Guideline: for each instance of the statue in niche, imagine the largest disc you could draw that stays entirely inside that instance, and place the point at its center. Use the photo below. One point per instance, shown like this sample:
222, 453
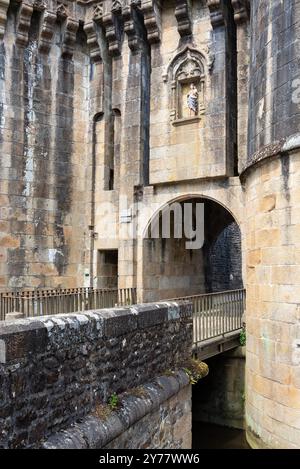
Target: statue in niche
187, 74
192, 100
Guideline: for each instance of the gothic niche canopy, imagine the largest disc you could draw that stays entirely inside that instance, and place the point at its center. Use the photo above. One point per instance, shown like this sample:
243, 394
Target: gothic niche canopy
186, 75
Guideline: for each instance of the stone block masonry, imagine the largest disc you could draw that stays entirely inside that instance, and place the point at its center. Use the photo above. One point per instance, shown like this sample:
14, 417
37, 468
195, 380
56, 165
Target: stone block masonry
56, 370
43, 135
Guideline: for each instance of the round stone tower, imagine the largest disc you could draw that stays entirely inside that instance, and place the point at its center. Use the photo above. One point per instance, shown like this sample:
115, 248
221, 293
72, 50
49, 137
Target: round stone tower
272, 187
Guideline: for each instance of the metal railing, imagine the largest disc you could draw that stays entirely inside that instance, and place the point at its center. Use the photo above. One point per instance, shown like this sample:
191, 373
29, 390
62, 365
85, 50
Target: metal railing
216, 314
56, 301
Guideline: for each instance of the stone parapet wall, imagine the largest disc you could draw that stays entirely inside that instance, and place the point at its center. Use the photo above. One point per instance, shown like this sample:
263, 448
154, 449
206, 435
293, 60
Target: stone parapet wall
56, 370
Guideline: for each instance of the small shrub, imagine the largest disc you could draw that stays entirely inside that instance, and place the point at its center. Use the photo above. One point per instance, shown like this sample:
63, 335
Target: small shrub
113, 401
243, 337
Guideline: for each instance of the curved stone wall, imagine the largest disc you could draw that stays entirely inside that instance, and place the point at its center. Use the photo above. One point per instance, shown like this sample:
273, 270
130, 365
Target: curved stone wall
272, 199
274, 73
273, 313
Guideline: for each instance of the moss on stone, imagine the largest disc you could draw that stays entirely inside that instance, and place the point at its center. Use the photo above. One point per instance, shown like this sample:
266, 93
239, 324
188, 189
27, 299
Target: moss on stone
196, 370
102, 411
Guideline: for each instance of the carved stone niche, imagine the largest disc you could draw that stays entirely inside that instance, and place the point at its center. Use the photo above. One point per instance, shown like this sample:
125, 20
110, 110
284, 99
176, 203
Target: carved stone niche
186, 69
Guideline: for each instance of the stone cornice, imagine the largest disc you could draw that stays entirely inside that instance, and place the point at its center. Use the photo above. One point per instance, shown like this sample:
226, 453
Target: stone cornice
273, 150
69, 37
152, 395
151, 10
3, 14
47, 31
216, 13
241, 10
23, 24
182, 14
92, 40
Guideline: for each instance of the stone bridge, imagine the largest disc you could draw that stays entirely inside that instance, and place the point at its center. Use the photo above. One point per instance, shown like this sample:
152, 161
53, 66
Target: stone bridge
60, 374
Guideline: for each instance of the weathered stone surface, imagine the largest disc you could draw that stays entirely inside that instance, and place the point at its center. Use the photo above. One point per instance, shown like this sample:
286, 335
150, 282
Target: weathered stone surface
93, 111
152, 420
274, 103
22, 338
80, 128
271, 195
272, 392
56, 369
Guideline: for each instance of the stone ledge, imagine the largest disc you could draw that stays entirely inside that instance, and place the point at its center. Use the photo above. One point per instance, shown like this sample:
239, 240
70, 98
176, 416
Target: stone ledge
292, 143
93, 433
272, 150
186, 121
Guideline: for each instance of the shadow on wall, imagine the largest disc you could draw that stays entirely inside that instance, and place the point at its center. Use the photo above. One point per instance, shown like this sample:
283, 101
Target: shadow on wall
219, 397
224, 261
171, 270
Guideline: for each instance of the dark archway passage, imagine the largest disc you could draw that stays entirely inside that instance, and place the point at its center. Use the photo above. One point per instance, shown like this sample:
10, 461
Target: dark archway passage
222, 249
172, 270
218, 403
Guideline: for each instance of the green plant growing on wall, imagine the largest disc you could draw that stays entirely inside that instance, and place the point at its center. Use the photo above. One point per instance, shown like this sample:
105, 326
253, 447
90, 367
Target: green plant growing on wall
243, 337
196, 370
128, 302
113, 401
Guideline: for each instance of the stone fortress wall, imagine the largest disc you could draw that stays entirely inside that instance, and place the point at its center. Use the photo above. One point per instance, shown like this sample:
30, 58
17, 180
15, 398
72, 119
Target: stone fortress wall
94, 127
94, 118
271, 181
44, 131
